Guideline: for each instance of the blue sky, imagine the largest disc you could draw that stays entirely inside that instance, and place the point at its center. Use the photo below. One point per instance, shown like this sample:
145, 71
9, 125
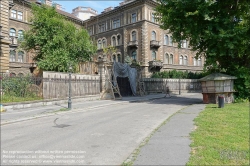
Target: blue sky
68, 5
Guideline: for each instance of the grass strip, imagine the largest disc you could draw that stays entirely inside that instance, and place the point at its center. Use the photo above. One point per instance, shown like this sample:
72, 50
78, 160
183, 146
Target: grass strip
221, 136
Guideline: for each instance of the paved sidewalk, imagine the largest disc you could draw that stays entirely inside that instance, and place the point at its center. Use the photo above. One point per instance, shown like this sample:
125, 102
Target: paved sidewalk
169, 145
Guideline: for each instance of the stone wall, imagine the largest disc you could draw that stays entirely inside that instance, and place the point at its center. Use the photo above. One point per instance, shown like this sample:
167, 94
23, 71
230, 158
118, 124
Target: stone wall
158, 85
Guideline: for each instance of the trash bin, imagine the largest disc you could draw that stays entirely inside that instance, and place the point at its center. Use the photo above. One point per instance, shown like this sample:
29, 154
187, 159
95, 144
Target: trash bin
221, 101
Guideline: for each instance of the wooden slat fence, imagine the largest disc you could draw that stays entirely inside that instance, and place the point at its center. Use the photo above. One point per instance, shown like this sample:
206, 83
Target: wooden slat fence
56, 85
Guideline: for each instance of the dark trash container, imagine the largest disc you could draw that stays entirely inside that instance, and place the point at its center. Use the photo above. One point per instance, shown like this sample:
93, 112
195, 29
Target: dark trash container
221, 101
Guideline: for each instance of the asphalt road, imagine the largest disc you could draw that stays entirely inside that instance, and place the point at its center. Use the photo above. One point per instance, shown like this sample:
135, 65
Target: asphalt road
99, 136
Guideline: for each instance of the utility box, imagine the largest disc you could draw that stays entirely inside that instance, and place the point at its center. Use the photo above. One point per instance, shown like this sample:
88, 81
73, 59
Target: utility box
215, 85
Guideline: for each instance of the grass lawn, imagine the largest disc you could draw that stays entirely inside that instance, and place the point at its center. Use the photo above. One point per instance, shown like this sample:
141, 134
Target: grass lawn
9, 99
221, 136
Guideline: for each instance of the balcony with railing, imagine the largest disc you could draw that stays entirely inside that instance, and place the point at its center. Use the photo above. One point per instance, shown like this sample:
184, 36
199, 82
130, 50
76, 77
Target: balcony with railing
154, 44
133, 44
13, 41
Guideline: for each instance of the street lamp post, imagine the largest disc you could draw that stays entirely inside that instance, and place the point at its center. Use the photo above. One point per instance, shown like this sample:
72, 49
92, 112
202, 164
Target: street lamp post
69, 100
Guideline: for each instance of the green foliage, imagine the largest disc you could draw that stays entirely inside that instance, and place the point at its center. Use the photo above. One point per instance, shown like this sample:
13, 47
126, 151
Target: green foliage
56, 41
177, 74
18, 89
216, 29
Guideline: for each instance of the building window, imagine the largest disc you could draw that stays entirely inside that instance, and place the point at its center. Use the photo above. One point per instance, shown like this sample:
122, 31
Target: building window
181, 60
12, 75
195, 61
20, 35
12, 56
116, 23
13, 13
170, 41
133, 36
102, 28
171, 59
20, 56
12, 32
152, 17
153, 37
90, 31
104, 44
99, 45
199, 61
114, 58
20, 74
183, 44
166, 59
185, 60
134, 18
113, 41
165, 39
153, 55
20, 15
134, 55
119, 57
118, 40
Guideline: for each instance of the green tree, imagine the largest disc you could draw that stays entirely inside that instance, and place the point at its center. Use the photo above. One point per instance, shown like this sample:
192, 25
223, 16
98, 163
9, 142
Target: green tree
56, 41
219, 30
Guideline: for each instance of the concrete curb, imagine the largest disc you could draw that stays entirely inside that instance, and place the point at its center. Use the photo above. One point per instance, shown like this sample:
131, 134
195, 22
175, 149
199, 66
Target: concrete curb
29, 104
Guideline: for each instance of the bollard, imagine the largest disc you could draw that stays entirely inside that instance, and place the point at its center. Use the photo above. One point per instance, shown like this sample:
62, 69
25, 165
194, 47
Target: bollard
221, 101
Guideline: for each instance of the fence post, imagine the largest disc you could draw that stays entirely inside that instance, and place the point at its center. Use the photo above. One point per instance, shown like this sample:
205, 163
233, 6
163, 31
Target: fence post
179, 86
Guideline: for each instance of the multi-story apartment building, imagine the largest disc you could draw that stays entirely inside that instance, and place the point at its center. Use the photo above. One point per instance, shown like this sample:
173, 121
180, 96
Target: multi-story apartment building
15, 19
132, 28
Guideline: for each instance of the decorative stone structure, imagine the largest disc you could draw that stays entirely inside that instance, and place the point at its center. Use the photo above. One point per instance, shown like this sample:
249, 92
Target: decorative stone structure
215, 85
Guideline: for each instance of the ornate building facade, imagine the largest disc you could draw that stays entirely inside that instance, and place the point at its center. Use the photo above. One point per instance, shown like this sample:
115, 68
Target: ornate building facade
15, 19
132, 28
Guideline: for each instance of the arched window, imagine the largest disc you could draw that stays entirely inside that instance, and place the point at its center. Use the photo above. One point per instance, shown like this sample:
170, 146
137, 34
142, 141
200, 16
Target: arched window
12, 56
20, 34
170, 41
195, 61
153, 55
134, 55
171, 59
20, 56
153, 37
113, 41
12, 32
12, 74
119, 57
104, 44
166, 39
134, 36
118, 40
99, 45
166, 60
114, 58
199, 61
20, 74
181, 60
185, 60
